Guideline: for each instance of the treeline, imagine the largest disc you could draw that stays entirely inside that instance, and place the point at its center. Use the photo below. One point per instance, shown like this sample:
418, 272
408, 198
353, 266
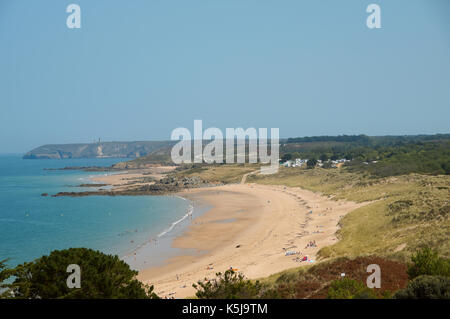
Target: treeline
385, 156
422, 158
361, 139
371, 140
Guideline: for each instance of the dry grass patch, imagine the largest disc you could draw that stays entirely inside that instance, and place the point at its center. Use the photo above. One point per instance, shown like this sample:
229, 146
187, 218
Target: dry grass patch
228, 173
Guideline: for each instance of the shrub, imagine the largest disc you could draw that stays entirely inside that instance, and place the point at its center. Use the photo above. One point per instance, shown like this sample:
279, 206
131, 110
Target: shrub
311, 163
229, 285
286, 157
327, 165
102, 276
426, 287
5, 274
427, 262
347, 288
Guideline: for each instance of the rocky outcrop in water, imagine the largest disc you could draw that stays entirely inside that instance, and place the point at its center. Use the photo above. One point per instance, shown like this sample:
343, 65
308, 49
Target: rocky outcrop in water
166, 185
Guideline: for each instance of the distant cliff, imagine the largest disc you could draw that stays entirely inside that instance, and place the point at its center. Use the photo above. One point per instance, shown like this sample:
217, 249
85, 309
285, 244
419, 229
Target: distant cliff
99, 150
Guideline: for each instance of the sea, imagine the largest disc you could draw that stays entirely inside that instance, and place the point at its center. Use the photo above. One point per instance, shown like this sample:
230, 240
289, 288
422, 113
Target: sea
32, 225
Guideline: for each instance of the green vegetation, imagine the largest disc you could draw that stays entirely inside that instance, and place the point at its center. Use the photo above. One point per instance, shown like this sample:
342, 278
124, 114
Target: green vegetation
312, 162
5, 274
380, 157
427, 262
423, 158
358, 139
286, 157
229, 285
430, 274
102, 276
426, 287
347, 288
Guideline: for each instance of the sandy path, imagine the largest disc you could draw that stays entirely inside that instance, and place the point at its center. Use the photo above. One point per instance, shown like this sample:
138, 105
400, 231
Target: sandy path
244, 177
250, 227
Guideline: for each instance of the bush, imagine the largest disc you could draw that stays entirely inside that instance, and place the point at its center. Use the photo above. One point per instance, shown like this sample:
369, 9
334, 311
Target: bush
229, 285
327, 165
426, 287
427, 262
102, 276
311, 163
286, 157
349, 289
5, 274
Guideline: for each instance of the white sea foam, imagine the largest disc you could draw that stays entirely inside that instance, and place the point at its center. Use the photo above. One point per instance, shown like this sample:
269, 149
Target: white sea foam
190, 210
189, 213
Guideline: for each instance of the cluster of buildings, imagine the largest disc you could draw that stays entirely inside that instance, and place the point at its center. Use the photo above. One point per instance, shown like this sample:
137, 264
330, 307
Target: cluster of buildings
299, 162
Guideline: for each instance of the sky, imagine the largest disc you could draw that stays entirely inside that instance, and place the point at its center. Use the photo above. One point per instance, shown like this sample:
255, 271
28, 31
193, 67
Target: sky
136, 70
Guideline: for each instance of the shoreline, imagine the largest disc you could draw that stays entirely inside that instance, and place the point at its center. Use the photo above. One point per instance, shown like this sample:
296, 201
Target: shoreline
156, 241
158, 249
257, 229
175, 223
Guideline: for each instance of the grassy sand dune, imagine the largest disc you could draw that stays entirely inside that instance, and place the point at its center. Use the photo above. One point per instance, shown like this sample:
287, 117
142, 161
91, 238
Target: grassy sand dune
408, 212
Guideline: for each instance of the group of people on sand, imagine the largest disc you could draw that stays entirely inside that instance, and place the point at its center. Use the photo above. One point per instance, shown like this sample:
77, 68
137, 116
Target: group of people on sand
311, 244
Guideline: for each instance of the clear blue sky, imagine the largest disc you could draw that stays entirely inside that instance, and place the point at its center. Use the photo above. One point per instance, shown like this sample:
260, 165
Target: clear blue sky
138, 69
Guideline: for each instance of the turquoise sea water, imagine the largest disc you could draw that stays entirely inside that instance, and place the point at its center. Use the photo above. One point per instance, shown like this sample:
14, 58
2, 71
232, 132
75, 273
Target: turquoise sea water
32, 225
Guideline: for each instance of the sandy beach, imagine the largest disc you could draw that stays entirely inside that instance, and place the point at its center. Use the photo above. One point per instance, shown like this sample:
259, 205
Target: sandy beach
249, 228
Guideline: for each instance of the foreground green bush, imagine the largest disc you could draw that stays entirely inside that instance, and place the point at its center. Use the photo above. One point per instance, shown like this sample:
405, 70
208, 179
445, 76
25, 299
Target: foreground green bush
347, 288
102, 276
426, 287
230, 285
427, 262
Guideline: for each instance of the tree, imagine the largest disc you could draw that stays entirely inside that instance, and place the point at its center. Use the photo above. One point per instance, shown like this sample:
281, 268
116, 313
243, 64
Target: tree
446, 167
426, 287
334, 157
286, 157
427, 262
5, 274
229, 285
347, 288
312, 162
323, 157
102, 276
